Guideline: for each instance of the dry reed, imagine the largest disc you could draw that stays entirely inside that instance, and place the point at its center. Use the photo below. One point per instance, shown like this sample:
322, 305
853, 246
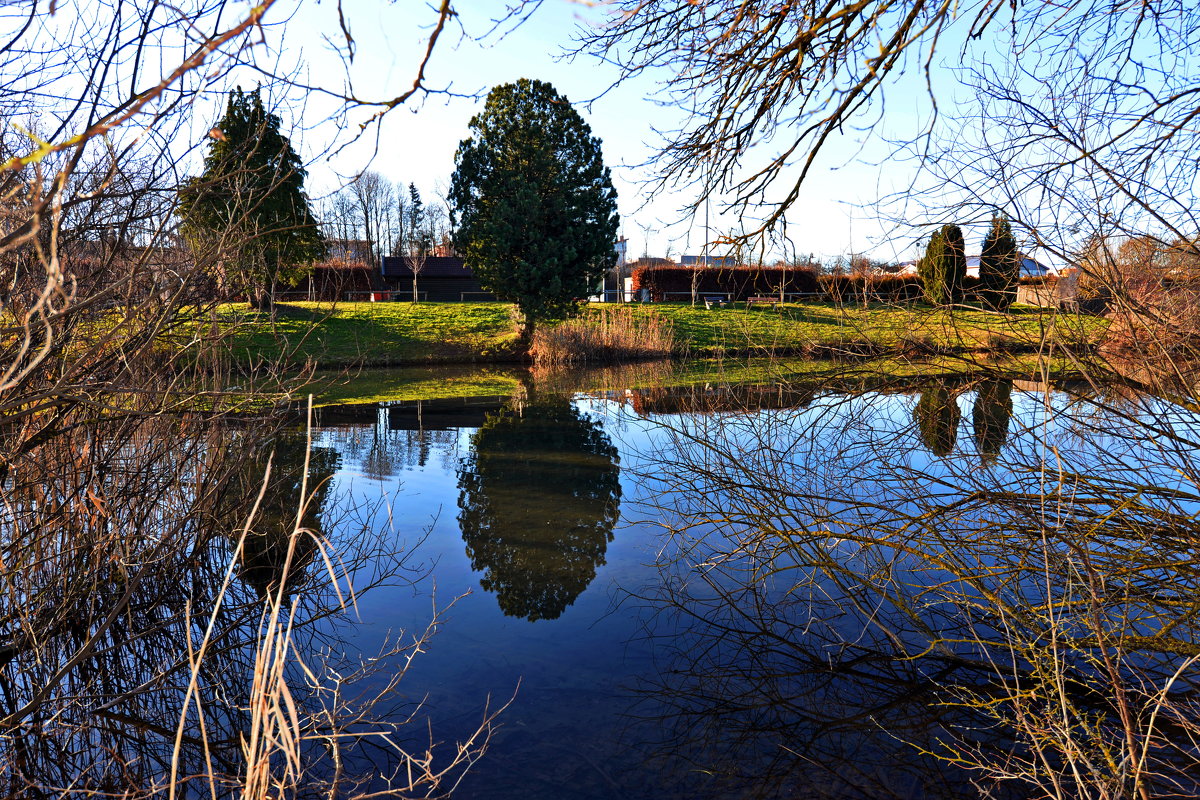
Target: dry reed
604, 337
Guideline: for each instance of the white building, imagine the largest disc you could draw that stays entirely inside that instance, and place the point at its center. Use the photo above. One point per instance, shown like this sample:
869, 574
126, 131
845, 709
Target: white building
1030, 267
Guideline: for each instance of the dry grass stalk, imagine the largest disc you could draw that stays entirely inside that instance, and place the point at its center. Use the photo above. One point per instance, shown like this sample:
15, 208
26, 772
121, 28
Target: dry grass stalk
604, 337
302, 732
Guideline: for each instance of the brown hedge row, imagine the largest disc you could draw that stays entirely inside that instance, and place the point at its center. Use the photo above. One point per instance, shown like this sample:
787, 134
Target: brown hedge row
891, 288
674, 282
737, 283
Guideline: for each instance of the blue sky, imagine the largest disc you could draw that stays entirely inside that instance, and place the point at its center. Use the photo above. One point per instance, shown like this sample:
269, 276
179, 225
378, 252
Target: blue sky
417, 143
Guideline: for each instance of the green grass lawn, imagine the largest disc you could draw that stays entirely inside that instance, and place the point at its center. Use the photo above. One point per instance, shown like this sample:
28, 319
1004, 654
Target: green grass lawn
382, 334
412, 383
373, 334
798, 326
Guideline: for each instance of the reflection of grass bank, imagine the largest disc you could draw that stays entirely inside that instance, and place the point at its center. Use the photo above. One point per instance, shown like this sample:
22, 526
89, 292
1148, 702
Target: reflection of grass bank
413, 383
382, 334
428, 383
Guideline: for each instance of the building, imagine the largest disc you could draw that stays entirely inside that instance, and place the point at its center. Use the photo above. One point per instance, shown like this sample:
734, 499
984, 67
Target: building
1030, 267
712, 261
439, 279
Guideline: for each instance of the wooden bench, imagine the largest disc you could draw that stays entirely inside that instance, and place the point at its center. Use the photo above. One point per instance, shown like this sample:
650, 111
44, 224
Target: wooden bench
762, 301
714, 300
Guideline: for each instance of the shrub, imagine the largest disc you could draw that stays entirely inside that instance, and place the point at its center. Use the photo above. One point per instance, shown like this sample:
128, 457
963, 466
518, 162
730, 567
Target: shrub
888, 288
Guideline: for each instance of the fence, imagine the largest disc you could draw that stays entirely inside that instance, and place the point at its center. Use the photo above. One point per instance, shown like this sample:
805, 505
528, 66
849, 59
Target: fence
384, 295
787, 297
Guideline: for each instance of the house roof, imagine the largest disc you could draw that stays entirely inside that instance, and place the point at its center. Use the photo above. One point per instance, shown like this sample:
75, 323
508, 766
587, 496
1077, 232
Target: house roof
1029, 266
435, 267
715, 261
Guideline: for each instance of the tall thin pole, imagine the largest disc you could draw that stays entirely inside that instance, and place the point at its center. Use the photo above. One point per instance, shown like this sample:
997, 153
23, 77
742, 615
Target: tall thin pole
707, 232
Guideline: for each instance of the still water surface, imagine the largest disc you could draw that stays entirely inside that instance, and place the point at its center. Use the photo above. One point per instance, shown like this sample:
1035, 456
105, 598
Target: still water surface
577, 550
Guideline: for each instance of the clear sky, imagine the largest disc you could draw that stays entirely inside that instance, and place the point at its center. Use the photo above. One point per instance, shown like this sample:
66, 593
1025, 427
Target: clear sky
417, 143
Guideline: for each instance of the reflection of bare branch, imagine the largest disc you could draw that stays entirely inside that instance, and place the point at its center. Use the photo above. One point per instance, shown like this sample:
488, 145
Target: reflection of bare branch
1039, 589
164, 625
134, 611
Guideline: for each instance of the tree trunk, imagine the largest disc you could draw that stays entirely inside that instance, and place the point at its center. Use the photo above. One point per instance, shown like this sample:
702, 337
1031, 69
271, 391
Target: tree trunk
525, 329
260, 299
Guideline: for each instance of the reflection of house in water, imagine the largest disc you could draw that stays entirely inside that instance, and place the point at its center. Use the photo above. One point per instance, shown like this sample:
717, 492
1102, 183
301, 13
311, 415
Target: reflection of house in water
1037, 387
711, 398
382, 439
413, 415
443, 415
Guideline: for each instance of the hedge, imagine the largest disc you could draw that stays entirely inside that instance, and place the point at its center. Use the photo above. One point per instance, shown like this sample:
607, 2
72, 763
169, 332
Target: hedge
737, 283
891, 288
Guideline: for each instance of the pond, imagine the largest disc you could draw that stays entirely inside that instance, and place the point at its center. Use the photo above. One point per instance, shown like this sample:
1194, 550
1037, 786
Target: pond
776, 590
662, 584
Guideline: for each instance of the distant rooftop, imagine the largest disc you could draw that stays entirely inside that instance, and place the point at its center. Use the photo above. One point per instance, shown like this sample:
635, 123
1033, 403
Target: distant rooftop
713, 261
1029, 267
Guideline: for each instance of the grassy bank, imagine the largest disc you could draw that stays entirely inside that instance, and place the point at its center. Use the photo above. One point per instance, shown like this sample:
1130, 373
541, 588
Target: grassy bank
398, 334
373, 334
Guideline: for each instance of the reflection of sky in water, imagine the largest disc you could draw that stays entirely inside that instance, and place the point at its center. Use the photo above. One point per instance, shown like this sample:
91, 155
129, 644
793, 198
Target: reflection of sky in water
563, 729
567, 729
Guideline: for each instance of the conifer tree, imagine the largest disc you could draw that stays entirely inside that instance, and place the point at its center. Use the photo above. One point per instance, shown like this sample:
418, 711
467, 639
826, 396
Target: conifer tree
248, 209
999, 266
929, 269
534, 205
991, 416
943, 268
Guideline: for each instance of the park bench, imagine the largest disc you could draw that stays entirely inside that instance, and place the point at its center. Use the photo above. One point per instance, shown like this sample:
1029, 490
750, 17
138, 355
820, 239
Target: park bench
762, 301
714, 300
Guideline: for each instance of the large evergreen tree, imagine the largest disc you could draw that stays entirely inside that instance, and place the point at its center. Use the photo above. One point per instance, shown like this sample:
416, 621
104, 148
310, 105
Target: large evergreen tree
943, 268
248, 209
535, 209
999, 265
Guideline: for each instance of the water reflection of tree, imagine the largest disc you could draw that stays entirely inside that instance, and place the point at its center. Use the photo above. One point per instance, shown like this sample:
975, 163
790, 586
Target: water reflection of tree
990, 417
268, 540
539, 495
1044, 604
937, 417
